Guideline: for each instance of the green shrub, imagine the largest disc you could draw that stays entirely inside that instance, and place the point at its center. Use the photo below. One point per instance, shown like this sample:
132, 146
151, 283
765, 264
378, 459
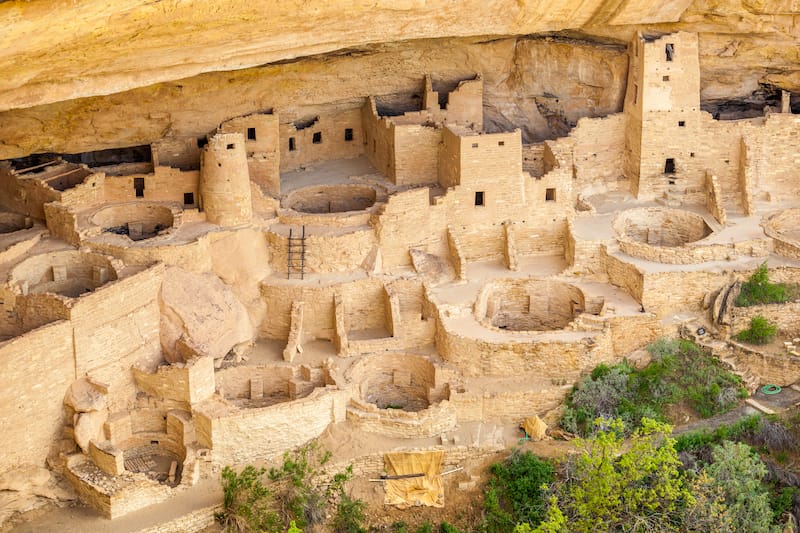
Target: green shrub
761, 331
759, 290
680, 371
446, 527
516, 491
247, 505
349, 515
743, 428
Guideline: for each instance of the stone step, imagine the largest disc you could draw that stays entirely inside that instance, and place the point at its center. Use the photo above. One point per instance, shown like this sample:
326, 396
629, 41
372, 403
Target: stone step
759, 406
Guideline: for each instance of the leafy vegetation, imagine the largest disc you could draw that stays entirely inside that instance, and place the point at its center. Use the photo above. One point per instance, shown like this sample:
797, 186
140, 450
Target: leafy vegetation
680, 372
291, 496
643, 486
515, 492
761, 331
759, 290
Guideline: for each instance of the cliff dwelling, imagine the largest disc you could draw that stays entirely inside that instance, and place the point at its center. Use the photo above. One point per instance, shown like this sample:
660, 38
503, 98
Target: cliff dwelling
216, 265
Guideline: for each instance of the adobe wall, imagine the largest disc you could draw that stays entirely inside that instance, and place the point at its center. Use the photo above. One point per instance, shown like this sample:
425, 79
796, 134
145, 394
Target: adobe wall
409, 221
507, 407
364, 296
263, 140
38, 367
669, 292
773, 155
416, 154
193, 255
378, 138
164, 184
333, 142
326, 252
116, 327
176, 152
239, 436
190, 383
598, 146
785, 316
25, 194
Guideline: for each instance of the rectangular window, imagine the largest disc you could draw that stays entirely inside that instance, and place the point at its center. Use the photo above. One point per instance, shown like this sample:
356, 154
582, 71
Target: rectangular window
550, 195
291, 144
681, 123
669, 51
635, 93
251, 134
479, 198
501, 143
669, 166
188, 198
317, 138
348, 134
474, 145
231, 146
138, 185
664, 78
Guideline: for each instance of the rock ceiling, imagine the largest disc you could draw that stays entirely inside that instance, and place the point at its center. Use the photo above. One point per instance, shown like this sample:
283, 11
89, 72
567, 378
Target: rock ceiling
87, 74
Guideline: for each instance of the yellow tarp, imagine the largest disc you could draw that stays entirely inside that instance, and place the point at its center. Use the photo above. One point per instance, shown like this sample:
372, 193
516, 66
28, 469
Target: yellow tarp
425, 490
535, 428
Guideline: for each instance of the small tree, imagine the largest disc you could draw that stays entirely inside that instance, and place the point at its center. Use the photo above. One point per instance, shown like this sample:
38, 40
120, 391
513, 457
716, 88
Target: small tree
516, 491
738, 472
247, 505
607, 489
761, 331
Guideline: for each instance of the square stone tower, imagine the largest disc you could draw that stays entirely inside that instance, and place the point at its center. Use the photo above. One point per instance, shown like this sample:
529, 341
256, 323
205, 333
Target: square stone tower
662, 105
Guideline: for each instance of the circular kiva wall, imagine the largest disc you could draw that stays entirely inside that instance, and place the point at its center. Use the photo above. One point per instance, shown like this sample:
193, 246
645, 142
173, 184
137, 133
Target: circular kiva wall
155, 461
11, 222
68, 273
657, 226
784, 228
137, 220
528, 304
397, 382
331, 198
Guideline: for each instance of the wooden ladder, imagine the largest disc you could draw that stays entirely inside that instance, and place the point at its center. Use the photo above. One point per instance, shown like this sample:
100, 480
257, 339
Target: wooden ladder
296, 256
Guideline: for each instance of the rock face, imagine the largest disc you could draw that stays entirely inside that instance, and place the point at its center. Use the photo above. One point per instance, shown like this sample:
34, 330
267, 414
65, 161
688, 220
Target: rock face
200, 316
105, 75
103, 48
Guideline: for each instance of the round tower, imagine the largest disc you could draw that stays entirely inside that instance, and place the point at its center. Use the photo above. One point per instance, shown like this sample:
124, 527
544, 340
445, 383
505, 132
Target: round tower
225, 180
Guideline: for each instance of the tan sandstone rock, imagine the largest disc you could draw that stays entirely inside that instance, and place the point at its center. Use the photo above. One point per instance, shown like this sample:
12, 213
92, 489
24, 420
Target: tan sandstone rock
203, 312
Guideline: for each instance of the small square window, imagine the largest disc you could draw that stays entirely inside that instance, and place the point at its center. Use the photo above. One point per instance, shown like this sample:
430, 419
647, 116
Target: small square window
251, 134
317, 138
681, 123
201, 142
292, 147
231, 146
664, 78
188, 198
550, 195
501, 143
348, 134
474, 145
691, 154
479, 198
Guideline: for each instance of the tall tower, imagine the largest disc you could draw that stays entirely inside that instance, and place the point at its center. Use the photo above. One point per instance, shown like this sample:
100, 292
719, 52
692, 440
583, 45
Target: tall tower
225, 180
662, 105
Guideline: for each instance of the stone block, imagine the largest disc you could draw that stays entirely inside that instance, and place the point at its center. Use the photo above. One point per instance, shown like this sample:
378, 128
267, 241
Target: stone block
256, 388
59, 273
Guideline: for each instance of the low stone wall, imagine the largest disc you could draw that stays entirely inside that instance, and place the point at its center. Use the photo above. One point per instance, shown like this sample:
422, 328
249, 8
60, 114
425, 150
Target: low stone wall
400, 424
193, 522
785, 316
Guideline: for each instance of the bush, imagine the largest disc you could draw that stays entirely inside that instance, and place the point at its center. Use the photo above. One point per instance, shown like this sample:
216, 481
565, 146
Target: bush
516, 492
349, 515
759, 332
680, 371
247, 505
759, 290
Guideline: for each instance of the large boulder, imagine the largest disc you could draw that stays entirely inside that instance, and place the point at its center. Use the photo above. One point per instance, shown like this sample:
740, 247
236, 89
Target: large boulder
89, 426
82, 396
201, 313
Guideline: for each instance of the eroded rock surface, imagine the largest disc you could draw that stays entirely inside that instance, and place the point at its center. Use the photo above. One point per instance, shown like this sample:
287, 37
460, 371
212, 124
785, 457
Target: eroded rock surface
200, 312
